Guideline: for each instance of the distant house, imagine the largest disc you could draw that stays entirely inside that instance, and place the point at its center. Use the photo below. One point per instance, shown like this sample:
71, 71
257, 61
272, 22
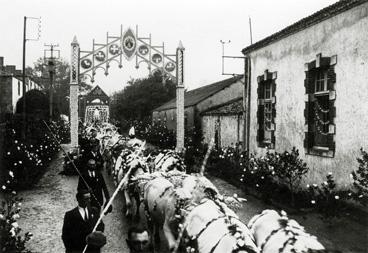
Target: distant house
309, 89
199, 100
94, 106
224, 123
11, 88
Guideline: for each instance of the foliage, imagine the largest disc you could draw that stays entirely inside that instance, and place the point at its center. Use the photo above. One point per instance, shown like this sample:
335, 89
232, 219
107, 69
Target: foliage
140, 97
290, 169
29, 158
40, 74
327, 199
195, 149
360, 178
11, 238
258, 173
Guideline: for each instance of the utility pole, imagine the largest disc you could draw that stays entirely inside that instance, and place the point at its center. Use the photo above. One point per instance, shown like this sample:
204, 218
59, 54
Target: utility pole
50, 61
24, 115
24, 119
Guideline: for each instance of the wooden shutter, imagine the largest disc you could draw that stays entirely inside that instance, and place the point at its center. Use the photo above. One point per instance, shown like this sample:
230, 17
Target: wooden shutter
331, 82
260, 118
260, 113
308, 110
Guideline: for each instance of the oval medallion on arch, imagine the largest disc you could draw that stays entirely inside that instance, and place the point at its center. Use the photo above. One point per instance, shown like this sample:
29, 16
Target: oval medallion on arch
86, 63
170, 66
129, 44
157, 58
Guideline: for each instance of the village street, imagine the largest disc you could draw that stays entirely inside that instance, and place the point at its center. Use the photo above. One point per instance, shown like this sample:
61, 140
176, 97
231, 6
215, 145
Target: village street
44, 207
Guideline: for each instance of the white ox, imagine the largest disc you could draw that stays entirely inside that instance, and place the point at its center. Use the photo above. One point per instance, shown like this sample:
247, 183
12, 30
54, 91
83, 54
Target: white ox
275, 233
136, 167
211, 227
167, 206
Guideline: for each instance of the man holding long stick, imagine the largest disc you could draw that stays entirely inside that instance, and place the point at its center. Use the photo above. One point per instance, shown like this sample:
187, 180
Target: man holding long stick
78, 227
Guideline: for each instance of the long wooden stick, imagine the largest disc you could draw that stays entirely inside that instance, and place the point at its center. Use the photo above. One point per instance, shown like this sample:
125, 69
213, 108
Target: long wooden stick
204, 163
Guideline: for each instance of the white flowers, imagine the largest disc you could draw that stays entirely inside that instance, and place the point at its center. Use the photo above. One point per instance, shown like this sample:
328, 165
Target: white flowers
313, 202
308, 185
16, 216
12, 232
11, 173
15, 225
3, 187
337, 197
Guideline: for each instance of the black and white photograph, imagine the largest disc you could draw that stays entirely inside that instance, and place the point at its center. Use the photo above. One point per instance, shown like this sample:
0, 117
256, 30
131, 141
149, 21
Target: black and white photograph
184, 126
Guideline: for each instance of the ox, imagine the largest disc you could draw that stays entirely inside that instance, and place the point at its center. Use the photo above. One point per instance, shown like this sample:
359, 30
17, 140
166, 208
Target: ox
275, 233
167, 206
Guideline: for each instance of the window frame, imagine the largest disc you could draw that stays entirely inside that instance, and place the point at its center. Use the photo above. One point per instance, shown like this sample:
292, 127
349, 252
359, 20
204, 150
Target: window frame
266, 112
320, 94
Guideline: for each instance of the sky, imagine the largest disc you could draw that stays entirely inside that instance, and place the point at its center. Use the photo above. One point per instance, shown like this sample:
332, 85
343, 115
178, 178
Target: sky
199, 24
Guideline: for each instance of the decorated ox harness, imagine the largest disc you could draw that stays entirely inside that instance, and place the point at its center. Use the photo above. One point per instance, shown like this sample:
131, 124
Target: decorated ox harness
171, 154
191, 242
292, 231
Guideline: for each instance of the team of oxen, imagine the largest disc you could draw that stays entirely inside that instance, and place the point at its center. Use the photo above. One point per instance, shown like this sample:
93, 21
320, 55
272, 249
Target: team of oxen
193, 214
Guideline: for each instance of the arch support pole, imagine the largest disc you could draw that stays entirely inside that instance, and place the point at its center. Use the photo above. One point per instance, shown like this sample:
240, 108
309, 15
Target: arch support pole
180, 98
74, 91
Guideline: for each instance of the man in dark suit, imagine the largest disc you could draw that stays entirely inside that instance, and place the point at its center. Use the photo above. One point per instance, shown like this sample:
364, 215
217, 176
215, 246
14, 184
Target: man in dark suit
78, 225
94, 153
95, 183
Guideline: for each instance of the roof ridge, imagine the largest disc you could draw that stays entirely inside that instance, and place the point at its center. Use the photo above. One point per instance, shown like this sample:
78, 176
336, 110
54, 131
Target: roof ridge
317, 17
197, 95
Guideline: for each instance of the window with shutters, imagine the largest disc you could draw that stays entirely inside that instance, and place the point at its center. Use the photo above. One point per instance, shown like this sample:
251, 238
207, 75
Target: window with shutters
320, 108
266, 112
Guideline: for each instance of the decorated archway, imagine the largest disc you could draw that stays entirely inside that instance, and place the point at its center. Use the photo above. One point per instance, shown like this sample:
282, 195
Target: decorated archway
130, 45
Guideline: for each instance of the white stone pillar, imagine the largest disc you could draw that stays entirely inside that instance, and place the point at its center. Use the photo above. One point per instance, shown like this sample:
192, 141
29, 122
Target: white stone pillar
180, 98
74, 90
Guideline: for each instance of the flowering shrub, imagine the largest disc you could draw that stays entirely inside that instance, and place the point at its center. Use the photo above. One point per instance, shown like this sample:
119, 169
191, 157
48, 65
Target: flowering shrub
290, 169
28, 158
259, 174
11, 238
360, 178
327, 199
159, 135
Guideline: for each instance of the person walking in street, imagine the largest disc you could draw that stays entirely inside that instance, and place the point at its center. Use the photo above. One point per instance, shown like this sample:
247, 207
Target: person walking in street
93, 181
138, 240
78, 226
95, 154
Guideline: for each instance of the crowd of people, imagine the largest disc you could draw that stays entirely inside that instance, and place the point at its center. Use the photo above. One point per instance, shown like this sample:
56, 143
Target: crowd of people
82, 229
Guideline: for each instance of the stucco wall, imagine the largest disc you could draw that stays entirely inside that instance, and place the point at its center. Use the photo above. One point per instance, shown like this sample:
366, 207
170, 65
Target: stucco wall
231, 129
171, 117
208, 127
344, 35
235, 90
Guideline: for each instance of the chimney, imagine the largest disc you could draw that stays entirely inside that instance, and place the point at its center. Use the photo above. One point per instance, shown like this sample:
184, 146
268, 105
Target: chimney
1, 62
